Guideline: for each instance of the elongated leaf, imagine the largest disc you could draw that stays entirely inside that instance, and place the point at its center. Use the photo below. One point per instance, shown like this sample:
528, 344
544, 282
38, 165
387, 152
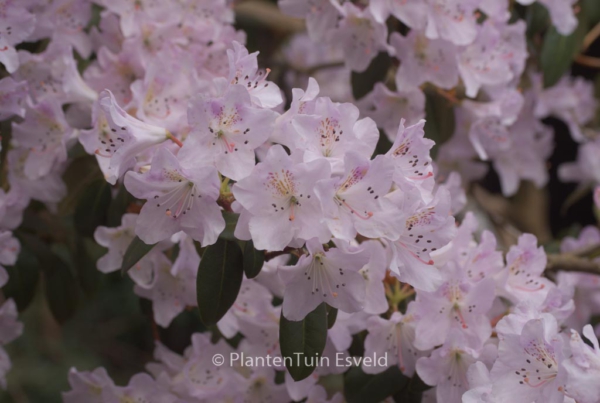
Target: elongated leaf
61, 289
412, 392
302, 342
89, 277
383, 145
92, 207
231, 220
537, 19
590, 9
331, 316
364, 388
79, 175
439, 119
558, 52
60, 286
219, 279
136, 250
118, 207
6, 130
22, 279
253, 260
363, 83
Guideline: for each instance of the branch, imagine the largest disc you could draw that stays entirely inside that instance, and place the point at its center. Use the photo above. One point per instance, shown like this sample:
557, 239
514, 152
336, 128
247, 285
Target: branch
287, 250
590, 37
588, 61
572, 263
268, 14
313, 69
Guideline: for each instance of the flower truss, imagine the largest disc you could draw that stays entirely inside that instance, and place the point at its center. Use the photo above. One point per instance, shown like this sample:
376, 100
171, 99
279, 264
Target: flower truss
294, 204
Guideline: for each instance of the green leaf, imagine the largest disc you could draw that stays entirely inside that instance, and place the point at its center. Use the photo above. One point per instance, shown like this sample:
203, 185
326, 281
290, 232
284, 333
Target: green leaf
331, 316
231, 220
85, 257
22, 279
537, 19
363, 83
60, 286
5, 139
590, 9
79, 175
136, 250
363, 388
61, 289
302, 342
412, 392
92, 207
219, 279
253, 260
383, 144
118, 207
439, 116
558, 52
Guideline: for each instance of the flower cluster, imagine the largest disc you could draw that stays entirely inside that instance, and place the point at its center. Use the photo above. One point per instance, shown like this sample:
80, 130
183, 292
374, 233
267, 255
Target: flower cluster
176, 111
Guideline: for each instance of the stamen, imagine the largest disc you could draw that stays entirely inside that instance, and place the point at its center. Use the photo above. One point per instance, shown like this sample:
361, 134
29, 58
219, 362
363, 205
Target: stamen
430, 262
366, 216
429, 175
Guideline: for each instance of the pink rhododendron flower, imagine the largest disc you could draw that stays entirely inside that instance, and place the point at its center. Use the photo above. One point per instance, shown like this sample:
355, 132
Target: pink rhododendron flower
324, 276
180, 198
528, 368
226, 131
279, 196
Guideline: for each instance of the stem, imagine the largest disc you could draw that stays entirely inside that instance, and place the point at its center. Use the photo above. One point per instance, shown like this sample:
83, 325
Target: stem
588, 61
449, 95
174, 139
589, 252
287, 250
225, 202
590, 37
330, 65
572, 263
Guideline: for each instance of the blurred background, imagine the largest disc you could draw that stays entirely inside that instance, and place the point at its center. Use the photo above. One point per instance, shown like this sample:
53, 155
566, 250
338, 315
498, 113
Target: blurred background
97, 320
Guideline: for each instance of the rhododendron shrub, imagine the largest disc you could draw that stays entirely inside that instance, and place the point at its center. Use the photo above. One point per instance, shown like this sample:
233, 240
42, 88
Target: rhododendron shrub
299, 200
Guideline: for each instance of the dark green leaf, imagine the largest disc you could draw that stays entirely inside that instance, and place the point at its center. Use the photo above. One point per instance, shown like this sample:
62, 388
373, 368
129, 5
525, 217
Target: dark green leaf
5, 139
439, 115
118, 207
303, 342
412, 392
80, 174
92, 207
22, 279
363, 83
331, 316
231, 220
60, 287
253, 260
558, 52
590, 10
136, 250
363, 388
77, 151
383, 144
219, 279
537, 19
89, 277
